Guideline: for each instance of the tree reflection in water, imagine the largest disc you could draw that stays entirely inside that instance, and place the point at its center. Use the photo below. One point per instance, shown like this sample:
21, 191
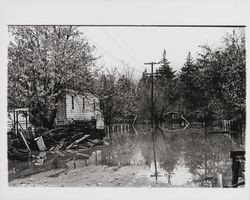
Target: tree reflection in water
179, 151
206, 158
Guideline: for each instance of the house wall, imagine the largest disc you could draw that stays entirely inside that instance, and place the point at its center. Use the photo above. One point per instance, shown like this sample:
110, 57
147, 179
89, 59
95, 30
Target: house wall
78, 111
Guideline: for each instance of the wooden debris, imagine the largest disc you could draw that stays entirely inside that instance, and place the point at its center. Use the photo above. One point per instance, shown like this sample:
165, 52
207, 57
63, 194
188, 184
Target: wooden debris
40, 143
81, 139
95, 141
65, 138
24, 140
77, 141
60, 145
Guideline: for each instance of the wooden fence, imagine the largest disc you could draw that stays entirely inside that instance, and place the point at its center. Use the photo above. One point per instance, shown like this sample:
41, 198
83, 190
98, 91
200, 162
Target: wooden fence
118, 129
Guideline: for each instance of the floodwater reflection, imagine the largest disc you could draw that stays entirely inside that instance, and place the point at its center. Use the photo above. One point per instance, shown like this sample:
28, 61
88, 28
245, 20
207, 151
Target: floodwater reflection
184, 158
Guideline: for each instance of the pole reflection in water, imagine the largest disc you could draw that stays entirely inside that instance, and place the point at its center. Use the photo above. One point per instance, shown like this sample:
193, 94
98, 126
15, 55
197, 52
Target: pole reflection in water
184, 158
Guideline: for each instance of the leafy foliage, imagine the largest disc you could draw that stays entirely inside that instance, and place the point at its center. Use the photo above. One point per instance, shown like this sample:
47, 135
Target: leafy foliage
164, 94
117, 94
44, 61
106, 91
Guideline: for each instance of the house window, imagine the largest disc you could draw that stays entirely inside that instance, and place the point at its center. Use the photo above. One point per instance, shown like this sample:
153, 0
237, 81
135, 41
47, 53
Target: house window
72, 101
94, 105
83, 104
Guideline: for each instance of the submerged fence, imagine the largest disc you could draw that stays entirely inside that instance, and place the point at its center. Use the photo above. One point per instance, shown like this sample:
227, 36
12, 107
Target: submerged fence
119, 129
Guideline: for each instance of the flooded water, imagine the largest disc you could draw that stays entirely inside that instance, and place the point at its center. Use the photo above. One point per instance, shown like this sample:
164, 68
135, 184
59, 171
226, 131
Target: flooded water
183, 158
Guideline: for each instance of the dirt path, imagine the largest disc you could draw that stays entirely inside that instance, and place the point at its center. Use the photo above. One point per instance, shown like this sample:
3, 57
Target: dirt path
93, 176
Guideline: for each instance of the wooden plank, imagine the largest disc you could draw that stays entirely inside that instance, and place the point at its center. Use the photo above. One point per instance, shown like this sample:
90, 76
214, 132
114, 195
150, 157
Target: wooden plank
25, 142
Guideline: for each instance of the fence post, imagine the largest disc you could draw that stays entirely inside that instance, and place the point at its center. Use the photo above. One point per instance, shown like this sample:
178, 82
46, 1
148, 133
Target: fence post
113, 130
219, 180
107, 131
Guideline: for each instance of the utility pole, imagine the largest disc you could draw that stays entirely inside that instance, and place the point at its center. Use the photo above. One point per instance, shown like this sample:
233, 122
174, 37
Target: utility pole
152, 114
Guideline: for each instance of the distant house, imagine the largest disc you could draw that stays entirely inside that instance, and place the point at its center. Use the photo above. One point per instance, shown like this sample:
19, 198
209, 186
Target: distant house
173, 120
196, 119
79, 108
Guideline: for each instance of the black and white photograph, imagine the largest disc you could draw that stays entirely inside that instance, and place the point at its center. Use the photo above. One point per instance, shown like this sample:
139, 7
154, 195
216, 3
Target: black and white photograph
126, 105
74, 120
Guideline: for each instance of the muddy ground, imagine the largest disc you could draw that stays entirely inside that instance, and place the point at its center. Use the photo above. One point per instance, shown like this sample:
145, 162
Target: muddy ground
93, 176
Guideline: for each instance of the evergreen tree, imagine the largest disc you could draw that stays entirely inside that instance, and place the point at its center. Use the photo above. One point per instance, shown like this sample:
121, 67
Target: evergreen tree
164, 84
165, 69
189, 89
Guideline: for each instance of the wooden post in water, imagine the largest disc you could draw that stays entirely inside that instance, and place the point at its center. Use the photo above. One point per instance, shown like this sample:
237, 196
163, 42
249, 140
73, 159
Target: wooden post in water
219, 180
152, 114
113, 130
152, 119
156, 173
26, 120
96, 158
107, 131
14, 114
17, 123
205, 123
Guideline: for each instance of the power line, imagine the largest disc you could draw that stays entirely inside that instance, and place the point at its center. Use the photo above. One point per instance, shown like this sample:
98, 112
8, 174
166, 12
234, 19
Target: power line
123, 49
99, 46
111, 55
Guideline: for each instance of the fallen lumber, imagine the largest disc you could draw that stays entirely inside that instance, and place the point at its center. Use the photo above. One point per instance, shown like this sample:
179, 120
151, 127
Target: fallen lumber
24, 140
60, 145
82, 146
54, 130
77, 141
83, 154
81, 139
95, 141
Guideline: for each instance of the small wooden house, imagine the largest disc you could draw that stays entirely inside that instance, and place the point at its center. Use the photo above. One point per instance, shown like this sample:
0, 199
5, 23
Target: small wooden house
79, 108
173, 120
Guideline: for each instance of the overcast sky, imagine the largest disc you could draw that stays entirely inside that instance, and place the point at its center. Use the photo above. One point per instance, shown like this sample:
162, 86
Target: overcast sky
137, 45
